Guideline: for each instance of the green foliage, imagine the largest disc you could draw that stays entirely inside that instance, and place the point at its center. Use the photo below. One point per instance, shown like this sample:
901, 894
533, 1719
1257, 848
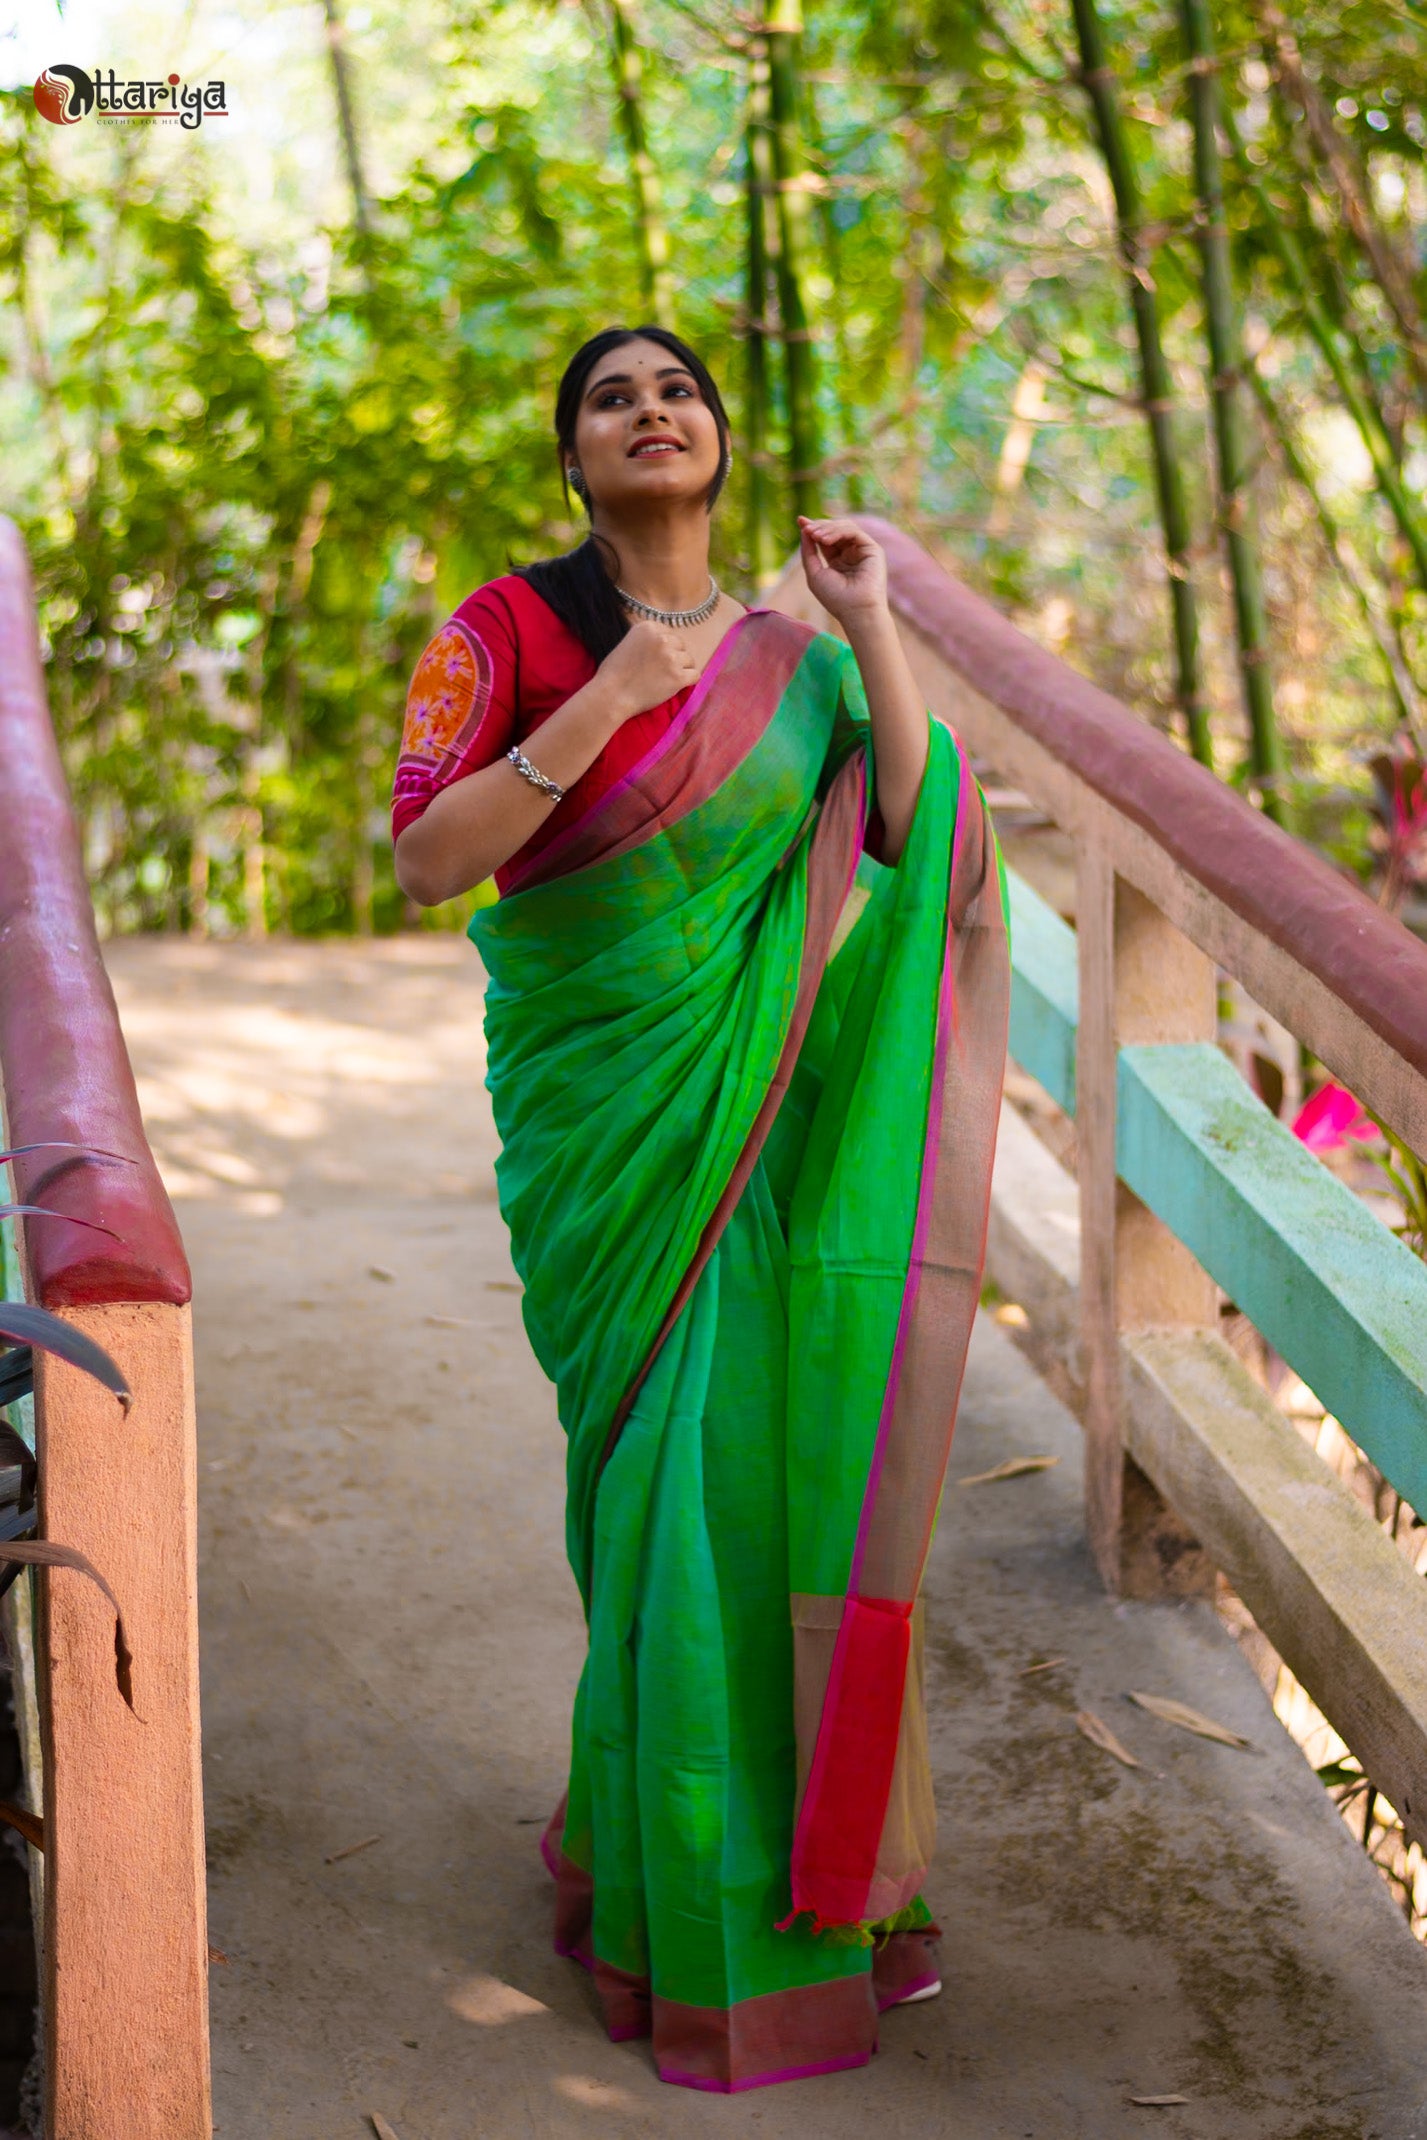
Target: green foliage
258, 458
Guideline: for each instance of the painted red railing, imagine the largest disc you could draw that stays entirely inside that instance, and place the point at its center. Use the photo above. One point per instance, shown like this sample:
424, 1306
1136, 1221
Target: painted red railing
124, 1947
66, 1072
1287, 895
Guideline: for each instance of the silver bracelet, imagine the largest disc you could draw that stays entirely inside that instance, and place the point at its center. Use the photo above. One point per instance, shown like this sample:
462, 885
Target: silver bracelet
533, 774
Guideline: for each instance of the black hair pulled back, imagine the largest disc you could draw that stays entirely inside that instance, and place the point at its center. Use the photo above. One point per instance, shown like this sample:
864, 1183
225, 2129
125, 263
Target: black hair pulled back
579, 586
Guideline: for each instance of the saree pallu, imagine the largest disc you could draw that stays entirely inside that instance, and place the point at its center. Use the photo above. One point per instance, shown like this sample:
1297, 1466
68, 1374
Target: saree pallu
746, 1082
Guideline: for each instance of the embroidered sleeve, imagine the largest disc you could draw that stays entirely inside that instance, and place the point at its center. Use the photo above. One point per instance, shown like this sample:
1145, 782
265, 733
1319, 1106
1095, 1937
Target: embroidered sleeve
460, 711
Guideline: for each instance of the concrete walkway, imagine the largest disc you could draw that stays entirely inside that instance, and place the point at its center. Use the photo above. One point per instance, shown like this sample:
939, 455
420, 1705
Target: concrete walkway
391, 1640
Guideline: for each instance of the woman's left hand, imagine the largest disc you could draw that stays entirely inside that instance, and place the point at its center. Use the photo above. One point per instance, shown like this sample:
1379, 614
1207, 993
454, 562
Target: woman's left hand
845, 569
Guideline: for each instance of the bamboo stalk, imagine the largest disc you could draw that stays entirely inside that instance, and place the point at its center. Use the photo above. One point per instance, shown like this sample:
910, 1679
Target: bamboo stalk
1330, 343
1098, 81
1232, 442
783, 25
762, 557
651, 231
1400, 681
347, 116
837, 310
912, 326
1389, 272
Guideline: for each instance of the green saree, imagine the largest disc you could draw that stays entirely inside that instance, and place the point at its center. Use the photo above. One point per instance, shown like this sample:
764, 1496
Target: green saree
746, 1081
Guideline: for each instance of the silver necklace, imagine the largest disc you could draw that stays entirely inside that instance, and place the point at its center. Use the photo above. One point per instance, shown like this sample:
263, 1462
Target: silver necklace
679, 618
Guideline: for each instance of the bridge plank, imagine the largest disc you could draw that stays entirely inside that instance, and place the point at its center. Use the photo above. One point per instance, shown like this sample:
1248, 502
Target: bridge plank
1333, 1595
1324, 1582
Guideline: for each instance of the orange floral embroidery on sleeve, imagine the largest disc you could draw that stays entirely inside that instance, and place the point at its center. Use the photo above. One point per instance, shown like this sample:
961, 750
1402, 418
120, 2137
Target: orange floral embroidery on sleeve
450, 678
450, 697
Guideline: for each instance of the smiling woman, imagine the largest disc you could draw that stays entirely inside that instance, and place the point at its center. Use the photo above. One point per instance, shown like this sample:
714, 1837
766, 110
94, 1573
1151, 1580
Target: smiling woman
750, 1243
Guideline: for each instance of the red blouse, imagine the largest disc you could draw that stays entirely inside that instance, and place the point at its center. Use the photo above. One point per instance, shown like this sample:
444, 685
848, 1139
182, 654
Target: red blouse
501, 665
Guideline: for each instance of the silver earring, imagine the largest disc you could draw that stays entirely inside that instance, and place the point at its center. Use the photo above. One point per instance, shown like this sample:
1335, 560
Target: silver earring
578, 484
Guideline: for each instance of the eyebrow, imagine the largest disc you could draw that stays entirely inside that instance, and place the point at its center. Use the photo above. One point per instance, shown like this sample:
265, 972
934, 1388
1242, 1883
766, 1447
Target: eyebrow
669, 371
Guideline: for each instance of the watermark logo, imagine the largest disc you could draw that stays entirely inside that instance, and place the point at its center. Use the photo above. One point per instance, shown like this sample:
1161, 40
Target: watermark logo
65, 95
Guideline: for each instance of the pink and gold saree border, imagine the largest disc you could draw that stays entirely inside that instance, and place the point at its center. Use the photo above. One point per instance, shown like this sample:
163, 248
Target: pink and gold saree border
752, 666
861, 1845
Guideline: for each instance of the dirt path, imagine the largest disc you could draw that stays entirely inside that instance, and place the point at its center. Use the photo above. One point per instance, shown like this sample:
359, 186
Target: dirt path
391, 1640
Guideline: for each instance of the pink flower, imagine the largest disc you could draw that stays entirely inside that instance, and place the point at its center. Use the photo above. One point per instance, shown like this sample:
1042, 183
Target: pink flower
1330, 1118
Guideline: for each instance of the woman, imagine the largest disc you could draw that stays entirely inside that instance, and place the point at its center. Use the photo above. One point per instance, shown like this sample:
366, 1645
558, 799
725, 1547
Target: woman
746, 1080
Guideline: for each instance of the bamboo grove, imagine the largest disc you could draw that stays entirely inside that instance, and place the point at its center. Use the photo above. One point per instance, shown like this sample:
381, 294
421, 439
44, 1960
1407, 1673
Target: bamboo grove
1120, 311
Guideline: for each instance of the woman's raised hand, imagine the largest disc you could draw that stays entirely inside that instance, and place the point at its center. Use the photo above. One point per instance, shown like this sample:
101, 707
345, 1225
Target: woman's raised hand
648, 666
845, 569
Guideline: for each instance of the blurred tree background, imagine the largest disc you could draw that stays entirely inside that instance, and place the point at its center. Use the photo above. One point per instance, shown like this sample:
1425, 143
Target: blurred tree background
1119, 309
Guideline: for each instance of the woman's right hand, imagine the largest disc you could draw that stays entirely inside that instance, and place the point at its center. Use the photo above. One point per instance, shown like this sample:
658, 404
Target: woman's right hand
648, 666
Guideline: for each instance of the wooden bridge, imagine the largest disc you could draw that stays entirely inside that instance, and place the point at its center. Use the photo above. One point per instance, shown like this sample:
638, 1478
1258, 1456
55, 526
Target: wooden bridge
1195, 1943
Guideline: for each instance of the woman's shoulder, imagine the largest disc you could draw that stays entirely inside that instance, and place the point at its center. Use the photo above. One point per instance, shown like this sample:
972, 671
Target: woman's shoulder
523, 626
508, 604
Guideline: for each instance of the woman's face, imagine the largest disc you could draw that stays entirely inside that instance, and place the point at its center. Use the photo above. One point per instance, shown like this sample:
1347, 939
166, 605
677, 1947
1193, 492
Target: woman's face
644, 433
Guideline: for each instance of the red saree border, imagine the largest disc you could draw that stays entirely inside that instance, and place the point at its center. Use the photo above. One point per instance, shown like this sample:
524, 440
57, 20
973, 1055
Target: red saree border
832, 864
691, 761
790, 2035
840, 1825
756, 2043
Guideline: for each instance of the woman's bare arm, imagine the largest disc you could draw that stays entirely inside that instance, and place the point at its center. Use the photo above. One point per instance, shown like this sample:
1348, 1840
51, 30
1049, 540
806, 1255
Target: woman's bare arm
899, 724
847, 572
472, 827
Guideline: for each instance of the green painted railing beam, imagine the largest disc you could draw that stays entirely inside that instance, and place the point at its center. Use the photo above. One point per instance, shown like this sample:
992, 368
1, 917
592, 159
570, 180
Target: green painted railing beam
1326, 1282
1329, 1286
1045, 992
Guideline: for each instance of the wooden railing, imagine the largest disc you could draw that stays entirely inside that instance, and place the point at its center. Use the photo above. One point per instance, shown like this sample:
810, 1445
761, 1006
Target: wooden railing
1187, 1183
124, 1947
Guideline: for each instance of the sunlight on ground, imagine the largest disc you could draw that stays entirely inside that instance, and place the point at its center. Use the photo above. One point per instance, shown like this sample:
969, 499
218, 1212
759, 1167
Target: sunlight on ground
595, 2095
270, 1065
488, 2002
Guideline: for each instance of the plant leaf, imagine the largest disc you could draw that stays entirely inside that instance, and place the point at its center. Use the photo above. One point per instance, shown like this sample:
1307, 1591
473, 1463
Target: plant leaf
36, 1326
1187, 1719
1015, 1467
25, 1823
46, 1553
62, 1144
1098, 1732
42, 1211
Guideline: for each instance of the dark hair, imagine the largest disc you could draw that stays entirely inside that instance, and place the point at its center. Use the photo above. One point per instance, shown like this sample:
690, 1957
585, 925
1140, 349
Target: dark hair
579, 586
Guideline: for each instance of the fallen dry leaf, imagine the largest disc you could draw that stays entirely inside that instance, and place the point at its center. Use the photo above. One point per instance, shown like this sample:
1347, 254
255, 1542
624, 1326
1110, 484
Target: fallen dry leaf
450, 1322
1157, 2102
1172, 1712
380, 2127
503, 1285
379, 1270
1013, 1468
216, 1954
1047, 1665
351, 1849
1099, 1734
26, 1824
